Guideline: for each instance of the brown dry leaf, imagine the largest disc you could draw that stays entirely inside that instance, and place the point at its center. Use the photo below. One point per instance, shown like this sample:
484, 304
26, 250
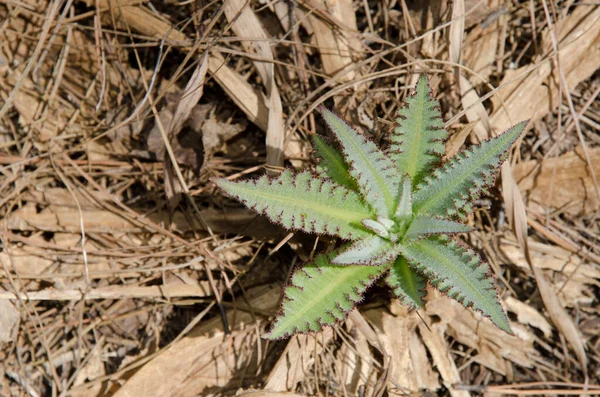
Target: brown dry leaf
457, 140
172, 186
93, 368
406, 353
457, 29
64, 219
562, 183
206, 357
574, 276
561, 318
294, 364
337, 46
9, 319
436, 343
556, 309
481, 45
475, 111
529, 96
246, 25
424, 373
250, 100
98, 150
356, 363
63, 198
360, 323
190, 97
528, 315
515, 206
493, 345
24, 262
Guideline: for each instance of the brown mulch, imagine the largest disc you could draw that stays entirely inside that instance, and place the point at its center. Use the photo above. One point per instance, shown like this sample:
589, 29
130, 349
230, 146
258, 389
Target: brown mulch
126, 273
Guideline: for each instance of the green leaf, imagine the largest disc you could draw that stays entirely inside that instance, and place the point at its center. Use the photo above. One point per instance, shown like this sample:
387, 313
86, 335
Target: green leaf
377, 176
423, 225
376, 227
418, 142
332, 164
408, 285
458, 272
303, 202
404, 211
321, 294
463, 178
371, 251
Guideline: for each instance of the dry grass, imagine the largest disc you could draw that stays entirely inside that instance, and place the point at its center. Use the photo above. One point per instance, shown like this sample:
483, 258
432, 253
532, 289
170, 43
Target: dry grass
125, 273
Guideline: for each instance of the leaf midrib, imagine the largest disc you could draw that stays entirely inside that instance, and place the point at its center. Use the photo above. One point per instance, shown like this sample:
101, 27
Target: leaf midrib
414, 155
315, 206
388, 197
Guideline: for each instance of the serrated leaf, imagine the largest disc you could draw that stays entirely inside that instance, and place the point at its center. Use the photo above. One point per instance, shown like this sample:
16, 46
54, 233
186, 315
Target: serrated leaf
423, 225
376, 175
464, 177
303, 202
417, 144
404, 211
371, 251
408, 285
332, 164
321, 294
458, 272
376, 227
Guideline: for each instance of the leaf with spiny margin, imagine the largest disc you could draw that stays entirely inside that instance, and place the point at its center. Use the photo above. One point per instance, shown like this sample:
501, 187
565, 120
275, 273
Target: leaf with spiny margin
376, 174
332, 164
417, 144
321, 294
408, 285
404, 211
462, 179
376, 227
303, 202
423, 225
459, 273
371, 251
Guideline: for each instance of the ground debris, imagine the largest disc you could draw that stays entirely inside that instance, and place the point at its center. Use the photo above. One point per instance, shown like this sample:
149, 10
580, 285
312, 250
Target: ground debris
126, 273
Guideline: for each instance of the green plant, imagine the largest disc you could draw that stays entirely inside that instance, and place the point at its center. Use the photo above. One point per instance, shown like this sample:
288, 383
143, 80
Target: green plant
396, 209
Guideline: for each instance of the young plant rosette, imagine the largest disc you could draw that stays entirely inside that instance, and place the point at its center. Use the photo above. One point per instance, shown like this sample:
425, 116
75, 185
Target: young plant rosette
396, 209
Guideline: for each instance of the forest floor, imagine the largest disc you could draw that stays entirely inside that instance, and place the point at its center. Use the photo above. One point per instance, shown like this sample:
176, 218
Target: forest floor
125, 272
